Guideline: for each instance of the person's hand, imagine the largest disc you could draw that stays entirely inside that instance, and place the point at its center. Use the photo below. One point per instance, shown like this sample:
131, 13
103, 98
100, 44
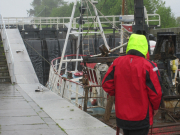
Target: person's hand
155, 112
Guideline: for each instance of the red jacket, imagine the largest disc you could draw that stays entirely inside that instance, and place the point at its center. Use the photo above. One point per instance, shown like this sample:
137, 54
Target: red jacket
135, 83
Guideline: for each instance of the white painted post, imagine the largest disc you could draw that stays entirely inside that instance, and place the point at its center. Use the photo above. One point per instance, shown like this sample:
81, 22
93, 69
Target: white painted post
113, 21
101, 29
70, 91
40, 23
147, 20
56, 64
66, 67
57, 24
67, 36
60, 85
78, 45
77, 90
63, 22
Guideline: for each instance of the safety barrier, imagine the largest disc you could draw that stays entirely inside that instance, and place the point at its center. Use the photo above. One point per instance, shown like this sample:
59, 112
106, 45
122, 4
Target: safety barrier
68, 89
8, 51
56, 21
72, 90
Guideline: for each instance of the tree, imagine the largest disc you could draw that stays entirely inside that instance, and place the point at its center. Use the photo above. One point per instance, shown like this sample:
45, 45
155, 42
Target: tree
44, 7
167, 17
59, 8
65, 10
178, 21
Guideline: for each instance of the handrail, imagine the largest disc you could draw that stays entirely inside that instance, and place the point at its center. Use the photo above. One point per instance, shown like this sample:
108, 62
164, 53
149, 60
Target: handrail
57, 71
157, 20
63, 86
5, 37
61, 20
71, 90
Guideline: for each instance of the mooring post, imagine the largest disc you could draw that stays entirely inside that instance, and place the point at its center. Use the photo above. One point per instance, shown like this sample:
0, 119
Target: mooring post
86, 89
109, 105
163, 106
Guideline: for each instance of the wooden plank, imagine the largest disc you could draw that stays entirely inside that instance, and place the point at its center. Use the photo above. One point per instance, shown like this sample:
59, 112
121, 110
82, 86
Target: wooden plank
108, 110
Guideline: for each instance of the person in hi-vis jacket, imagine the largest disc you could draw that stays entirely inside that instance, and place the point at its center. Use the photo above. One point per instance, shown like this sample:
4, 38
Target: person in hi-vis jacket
136, 84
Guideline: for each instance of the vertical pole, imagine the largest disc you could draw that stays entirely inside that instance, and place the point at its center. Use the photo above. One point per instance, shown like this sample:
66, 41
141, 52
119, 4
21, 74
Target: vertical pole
101, 29
95, 45
114, 37
63, 22
122, 29
57, 24
163, 106
40, 23
122, 36
109, 105
78, 46
79, 38
86, 89
67, 36
123, 5
66, 67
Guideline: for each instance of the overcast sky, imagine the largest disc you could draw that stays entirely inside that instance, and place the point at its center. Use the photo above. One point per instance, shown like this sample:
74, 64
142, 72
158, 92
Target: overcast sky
18, 8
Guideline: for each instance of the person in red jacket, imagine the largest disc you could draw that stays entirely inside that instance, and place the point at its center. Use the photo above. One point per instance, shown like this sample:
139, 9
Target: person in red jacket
136, 84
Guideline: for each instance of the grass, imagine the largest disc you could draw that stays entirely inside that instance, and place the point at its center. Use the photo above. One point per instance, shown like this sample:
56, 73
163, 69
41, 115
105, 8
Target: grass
86, 25
106, 31
60, 127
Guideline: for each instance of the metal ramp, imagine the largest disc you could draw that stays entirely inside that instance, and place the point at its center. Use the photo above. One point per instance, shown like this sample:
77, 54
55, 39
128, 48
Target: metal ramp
20, 66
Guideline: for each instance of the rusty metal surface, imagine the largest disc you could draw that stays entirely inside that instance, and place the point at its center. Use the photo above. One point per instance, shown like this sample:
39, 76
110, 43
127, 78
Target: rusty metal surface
171, 103
171, 97
160, 126
109, 105
99, 59
168, 129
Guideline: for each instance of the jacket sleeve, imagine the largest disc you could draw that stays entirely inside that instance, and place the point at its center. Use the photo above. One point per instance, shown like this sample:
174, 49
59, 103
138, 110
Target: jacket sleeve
153, 83
108, 81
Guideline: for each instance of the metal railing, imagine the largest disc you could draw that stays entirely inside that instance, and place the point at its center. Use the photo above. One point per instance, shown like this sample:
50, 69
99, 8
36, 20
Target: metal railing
7, 48
148, 20
62, 21
36, 21
71, 89
68, 89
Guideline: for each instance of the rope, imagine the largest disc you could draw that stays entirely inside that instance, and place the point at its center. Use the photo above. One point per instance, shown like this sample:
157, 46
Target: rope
37, 52
87, 32
41, 12
95, 16
106, 18
84, 36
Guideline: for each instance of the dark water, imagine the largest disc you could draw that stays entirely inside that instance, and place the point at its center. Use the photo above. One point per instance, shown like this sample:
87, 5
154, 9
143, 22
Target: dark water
52, 48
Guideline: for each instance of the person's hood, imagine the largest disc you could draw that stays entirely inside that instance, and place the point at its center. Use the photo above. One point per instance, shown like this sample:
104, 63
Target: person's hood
139, 43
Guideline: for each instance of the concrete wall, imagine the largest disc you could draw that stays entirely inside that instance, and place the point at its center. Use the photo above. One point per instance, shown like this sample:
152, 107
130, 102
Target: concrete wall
175, 30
